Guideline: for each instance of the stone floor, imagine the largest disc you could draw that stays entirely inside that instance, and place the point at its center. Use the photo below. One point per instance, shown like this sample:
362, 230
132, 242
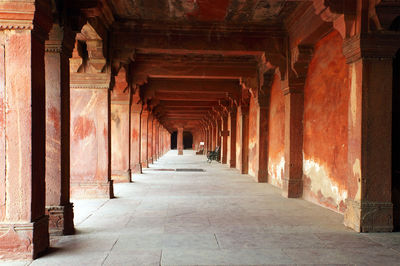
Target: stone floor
215, 217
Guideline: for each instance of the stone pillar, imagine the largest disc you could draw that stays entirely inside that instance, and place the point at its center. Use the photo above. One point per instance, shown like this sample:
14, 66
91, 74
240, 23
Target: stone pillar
207, 142
213, 136
120, 141
136, 110
58, 206
120, 129
218, 131
244, 141
160, 143
154, 145
262, 134
292, 184
158, 140
224, 136
150, 139
369, 206
180, 140
143, 130
23, 224
90, 136
232, 115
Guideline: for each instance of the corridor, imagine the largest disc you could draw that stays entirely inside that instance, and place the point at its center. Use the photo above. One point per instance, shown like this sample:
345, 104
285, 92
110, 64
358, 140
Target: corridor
215, 217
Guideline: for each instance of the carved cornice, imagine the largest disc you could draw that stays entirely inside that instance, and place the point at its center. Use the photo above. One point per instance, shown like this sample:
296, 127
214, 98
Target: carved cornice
372, 46
26, 15
90, 81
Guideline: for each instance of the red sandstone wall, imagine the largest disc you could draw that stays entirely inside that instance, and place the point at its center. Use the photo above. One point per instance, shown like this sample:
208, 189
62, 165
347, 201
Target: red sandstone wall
276, 147
238, 140
89, 133
253, 141
119, 139
326, 99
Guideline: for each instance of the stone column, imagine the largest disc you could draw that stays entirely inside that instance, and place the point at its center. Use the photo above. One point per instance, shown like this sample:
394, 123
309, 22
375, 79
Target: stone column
262, 135
23, 224
244, 141
160, 143
58, 206
90, 136
292, 184
207, 140
218, 131
154, 148
224, 136
213, 136
232, 115
180, 140
150, 139
120, 141
120, 129
136, 110
158, 140
143, 130
370, 59
90, 120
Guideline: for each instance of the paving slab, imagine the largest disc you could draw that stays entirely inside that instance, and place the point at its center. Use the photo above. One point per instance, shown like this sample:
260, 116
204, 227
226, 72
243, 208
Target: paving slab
215, 217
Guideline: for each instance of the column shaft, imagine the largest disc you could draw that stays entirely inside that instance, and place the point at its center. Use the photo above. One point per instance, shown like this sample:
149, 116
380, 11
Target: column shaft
58, 205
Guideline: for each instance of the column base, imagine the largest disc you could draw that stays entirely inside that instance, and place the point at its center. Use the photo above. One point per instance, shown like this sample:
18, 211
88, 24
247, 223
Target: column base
369, 216
137, 169
61, 220
121, 176
180, 152
144, 164
24, 241
292, 188
92, 190
232, 163
150, 160
262, 176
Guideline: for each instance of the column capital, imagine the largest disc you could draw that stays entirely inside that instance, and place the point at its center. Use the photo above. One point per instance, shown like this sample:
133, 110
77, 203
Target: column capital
34, 15
61, 40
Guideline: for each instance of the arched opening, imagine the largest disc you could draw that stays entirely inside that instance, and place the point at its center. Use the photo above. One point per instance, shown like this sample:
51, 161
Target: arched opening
187, 140
174, 140
396, 143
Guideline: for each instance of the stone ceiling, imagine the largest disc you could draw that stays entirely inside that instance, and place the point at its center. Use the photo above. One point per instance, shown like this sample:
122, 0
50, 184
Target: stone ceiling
244, 11
171, 44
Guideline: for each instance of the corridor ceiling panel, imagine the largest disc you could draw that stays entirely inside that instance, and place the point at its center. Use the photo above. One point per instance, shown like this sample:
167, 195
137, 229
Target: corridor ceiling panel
202, 10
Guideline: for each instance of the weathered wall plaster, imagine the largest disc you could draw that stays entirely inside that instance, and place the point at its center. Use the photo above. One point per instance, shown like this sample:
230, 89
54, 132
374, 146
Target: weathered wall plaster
326, 99
276, 151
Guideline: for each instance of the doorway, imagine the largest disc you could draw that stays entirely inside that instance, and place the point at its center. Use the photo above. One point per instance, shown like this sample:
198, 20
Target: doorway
174, 140
187, 140
396, 143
